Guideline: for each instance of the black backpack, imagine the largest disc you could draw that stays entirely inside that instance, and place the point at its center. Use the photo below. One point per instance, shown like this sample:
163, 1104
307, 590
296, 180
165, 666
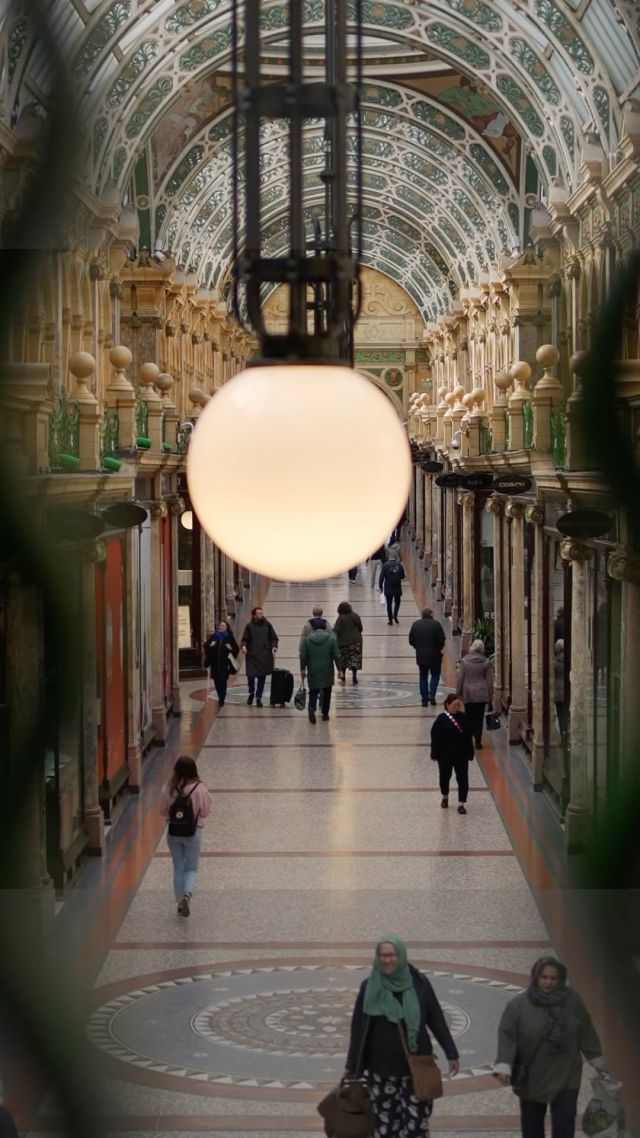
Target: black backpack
394, 571
183, 821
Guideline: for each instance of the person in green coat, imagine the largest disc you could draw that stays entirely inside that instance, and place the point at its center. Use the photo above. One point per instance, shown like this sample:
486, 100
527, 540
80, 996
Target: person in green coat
318, 653
543, 1035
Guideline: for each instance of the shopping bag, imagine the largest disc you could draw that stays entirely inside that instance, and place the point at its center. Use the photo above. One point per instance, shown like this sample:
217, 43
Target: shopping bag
300, 698
604, 1113
383, 599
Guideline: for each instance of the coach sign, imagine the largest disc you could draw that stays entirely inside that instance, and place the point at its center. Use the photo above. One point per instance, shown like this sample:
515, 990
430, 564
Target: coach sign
512, 484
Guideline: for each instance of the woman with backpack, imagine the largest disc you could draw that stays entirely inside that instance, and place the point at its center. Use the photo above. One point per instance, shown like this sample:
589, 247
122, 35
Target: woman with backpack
185, 802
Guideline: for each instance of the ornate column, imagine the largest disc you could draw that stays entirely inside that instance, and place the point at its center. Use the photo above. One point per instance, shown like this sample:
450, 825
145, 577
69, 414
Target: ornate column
534, 515
157, 510
427, 534
93, 816
624, 566
208, 584
467, 500
176, 509
436, 539
447, 584
419, 530
579, 811
495, 507
518, 709
229, 586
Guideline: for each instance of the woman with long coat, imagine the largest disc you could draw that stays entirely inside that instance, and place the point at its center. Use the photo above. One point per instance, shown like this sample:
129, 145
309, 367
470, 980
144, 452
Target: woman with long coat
396, 995
452, 750
542, 1037
475, 685
219, 649
348, 630
260, 644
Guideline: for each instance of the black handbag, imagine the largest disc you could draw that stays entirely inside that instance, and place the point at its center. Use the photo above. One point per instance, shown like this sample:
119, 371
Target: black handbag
347, 1110
520, 1070
492, 721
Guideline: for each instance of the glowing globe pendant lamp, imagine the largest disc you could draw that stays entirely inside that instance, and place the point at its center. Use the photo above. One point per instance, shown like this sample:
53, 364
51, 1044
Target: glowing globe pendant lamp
299, 467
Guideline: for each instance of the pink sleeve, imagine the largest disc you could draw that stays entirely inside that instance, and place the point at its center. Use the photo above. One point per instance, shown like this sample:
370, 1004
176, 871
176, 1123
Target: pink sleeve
165, 799
202, 800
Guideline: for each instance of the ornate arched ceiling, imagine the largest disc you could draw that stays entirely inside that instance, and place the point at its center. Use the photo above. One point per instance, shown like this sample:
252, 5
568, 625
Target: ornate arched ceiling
467, 104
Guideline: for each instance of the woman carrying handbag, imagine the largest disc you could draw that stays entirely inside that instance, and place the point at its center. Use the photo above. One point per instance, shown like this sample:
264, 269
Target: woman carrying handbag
393, 1014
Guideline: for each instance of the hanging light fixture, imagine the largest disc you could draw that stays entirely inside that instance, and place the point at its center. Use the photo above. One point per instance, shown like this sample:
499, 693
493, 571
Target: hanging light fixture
321, 465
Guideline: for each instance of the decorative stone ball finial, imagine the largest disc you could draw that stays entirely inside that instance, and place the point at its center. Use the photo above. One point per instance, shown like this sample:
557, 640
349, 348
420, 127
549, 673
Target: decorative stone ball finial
120, 357
164, 383
468, 400
503, 381
520, 372
82, 365
547, 356
148, 374
199, 397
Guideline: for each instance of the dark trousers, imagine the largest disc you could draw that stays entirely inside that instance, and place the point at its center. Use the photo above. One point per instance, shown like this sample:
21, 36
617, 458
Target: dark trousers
251, 680
429, 680
475, 714
461, 768
325, 699
563, 1116
221, 688
393, 604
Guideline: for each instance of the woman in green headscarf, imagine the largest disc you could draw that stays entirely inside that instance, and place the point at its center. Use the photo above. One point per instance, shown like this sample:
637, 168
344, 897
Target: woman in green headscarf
396, 994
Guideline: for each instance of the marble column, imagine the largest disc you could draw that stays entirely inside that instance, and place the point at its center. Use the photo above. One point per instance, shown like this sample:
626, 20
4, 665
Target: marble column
31, 898
448, 555
435, 539
467, 500
579, 814
133, 677
542, 632
229, 586
211, 617
93, 816
495, 507
427, 533
625, 567
158, 510
419, 530
517, 715
176, 509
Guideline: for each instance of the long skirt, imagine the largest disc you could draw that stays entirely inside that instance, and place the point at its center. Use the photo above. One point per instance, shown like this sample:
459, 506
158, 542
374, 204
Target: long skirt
398, 1112
352, 656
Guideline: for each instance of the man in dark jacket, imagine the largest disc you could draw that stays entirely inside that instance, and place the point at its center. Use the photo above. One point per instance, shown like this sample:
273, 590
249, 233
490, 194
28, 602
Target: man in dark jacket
260, 644
427, 637
318, 653
391, 579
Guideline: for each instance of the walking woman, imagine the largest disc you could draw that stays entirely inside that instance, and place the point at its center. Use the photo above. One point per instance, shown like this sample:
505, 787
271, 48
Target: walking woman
475, 685
260, 643
542, 1037
396, 997
219, 650
185, 803
452, 750
391, 577
348, 630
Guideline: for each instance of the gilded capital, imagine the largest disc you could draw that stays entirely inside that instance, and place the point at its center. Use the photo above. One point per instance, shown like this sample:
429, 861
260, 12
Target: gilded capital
466, 499
514, 509
624, 567
571, 550
176, 506
534, 514
494, 506
158, 509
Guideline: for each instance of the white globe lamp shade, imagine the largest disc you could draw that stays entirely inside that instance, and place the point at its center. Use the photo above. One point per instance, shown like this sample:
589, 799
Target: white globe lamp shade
298, 471
186, 519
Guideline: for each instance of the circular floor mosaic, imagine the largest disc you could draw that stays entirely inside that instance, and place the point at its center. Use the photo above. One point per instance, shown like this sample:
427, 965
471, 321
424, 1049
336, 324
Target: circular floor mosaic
279, 1026
367, 693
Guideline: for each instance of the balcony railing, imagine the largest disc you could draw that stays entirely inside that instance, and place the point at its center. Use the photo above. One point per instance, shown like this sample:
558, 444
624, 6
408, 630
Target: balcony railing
64, 434
527, 425
559, 438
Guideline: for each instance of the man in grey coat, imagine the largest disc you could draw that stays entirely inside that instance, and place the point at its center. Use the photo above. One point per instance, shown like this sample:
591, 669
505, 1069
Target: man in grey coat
427, 637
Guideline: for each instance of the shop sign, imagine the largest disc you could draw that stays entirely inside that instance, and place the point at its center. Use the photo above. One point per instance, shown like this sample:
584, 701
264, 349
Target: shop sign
124, 515
450, 481
512, 484
431, 467
479, 480
584, 523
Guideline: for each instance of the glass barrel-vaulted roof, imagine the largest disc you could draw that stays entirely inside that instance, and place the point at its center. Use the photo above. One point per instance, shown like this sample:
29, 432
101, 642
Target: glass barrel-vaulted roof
464, 101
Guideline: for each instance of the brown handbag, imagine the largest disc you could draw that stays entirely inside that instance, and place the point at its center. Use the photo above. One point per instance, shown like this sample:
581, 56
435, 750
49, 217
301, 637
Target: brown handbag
425, 1072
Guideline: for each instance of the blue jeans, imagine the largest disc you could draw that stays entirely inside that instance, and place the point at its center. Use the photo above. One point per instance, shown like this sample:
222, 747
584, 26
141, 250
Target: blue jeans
428, 688
251, 680
184, 855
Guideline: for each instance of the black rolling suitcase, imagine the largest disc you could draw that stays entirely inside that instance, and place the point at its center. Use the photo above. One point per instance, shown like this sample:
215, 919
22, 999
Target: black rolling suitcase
281, 686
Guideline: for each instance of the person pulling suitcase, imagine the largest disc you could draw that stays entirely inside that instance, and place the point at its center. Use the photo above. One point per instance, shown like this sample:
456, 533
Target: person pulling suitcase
259, 644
